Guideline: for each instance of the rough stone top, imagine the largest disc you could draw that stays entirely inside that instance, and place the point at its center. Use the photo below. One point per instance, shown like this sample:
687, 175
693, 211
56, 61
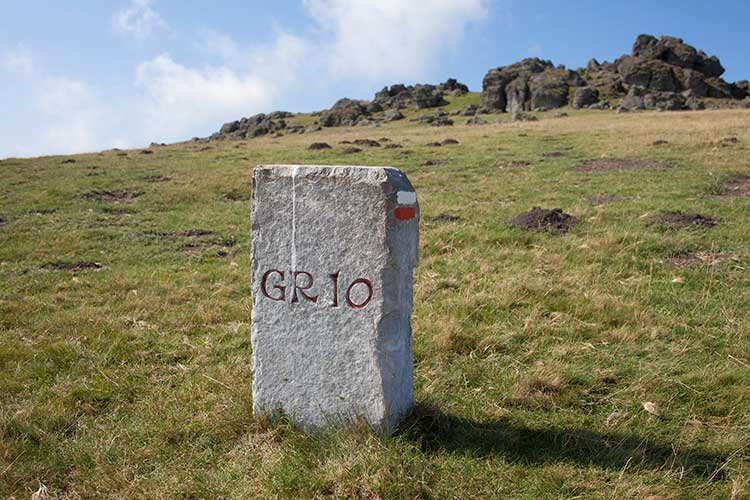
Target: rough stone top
364, 174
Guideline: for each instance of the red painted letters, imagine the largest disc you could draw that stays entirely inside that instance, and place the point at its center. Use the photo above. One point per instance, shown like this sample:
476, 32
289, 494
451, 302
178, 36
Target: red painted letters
303, 284
264, 282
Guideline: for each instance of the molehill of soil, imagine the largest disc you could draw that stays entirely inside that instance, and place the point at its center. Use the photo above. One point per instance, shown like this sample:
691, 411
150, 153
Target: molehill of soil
366, 142
80, 265
620, 165
116, 196
444, 218
545, 220
683, 220
315, 146
738, 186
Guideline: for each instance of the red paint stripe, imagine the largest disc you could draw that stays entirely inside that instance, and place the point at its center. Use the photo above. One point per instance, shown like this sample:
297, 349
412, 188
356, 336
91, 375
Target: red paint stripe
405, 213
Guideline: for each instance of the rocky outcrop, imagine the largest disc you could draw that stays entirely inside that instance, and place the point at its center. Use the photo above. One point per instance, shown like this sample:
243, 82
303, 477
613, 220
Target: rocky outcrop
419, 96
453, 87
660, 73
413, 96
253, 126
529, 85
346, 112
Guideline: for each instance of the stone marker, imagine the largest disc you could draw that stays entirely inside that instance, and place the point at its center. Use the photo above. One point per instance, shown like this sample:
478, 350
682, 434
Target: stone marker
333, 249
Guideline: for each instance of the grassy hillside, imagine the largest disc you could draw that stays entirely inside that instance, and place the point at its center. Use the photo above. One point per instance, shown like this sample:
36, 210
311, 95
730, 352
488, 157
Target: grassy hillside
125, 309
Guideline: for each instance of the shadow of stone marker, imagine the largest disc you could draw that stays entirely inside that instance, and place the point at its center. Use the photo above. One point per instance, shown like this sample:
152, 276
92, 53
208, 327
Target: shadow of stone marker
333, 250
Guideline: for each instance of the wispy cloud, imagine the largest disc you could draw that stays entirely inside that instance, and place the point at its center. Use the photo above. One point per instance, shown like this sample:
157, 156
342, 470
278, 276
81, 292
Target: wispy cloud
178, 100
390, 38
138, 19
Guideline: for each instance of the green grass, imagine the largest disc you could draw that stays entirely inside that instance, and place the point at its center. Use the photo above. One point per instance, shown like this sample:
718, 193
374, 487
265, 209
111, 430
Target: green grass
533, 352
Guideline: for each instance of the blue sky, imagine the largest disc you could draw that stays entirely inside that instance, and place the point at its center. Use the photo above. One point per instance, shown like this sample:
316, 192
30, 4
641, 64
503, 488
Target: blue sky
85, 75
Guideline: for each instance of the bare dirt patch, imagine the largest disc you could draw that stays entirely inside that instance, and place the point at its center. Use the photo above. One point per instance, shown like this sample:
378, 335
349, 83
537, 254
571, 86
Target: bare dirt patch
544, 220
736, 187
592, 166
41, 211
605, 199
444, 218
217, 247
366, 142
316, 146
116, 196
683, 220
237, 195
510, 164
156, 178
188, 233
689, 258
81, 265
196, 242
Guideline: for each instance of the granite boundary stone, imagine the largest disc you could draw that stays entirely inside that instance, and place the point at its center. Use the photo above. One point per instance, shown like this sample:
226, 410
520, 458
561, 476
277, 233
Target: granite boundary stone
333, 252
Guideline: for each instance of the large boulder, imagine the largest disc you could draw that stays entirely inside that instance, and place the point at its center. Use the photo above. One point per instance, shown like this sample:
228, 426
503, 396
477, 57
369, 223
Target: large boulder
453, 87
585, 96
427, 96
526, 85
650, 74
668, 64
549, 90
675, 52
644, 98
346, 112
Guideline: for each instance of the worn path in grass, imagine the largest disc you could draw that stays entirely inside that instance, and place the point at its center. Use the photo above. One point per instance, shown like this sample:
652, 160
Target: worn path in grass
125, 306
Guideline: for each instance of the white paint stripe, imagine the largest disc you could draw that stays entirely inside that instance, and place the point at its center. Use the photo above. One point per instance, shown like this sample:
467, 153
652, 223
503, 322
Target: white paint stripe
406, 197
293, 263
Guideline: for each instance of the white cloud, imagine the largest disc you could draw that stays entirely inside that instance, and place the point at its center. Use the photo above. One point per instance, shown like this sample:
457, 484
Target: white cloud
178, 100
138, 19
47, 114
391, 38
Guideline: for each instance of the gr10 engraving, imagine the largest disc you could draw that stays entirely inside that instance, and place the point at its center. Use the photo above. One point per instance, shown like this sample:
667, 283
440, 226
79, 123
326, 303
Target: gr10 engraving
274, 286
